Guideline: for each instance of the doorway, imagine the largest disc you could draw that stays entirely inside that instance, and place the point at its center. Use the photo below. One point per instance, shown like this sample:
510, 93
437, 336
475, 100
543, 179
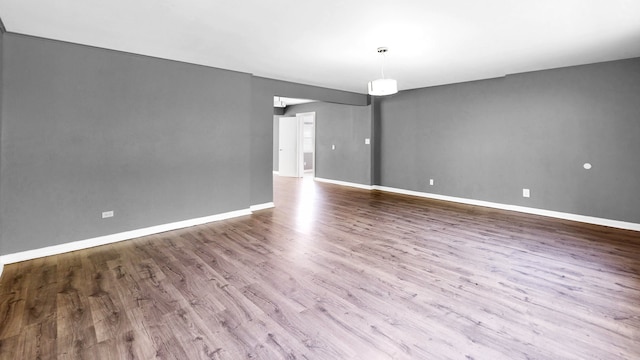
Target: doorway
308, 121
296, 145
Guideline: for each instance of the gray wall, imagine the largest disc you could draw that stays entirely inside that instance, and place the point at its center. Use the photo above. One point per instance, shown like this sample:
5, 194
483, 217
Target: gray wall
1, 116
487, 140
346, 127
86, 130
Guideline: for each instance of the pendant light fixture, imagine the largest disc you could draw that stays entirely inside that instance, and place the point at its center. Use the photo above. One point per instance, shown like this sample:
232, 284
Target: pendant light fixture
383, 86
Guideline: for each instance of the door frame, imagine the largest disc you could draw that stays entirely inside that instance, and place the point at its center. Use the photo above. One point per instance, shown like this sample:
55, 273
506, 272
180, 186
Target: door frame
313, 140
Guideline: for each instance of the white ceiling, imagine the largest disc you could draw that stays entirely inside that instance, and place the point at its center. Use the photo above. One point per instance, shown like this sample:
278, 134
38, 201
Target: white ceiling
333, 43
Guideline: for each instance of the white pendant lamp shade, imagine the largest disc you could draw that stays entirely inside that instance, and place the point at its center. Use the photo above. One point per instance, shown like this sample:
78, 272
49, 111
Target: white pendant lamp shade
383, 86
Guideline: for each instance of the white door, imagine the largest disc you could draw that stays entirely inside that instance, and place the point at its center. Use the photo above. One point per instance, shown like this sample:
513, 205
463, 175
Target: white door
289, 153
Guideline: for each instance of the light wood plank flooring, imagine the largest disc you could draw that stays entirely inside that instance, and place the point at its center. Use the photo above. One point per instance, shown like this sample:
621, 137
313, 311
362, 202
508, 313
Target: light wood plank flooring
336, 273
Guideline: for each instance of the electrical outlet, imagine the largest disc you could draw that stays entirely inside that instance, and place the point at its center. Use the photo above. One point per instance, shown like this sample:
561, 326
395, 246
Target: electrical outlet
107, 214
367, 141
333, 147
526, 193
430, 181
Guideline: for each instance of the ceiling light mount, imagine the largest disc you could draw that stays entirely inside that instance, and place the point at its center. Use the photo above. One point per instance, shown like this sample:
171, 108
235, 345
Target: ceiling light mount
383, 86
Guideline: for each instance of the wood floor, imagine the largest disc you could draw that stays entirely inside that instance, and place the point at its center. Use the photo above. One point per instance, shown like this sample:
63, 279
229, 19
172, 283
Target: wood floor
336, 273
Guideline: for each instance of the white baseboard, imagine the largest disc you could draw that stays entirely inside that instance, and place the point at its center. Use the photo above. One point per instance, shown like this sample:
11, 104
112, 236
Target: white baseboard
258, 207
554, 214
345, 183
127, 235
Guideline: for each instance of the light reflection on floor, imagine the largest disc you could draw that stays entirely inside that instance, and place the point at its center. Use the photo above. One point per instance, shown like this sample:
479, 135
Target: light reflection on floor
305, 214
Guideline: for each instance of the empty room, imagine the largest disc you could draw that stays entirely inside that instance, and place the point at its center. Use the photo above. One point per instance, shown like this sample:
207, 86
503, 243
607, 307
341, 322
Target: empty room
320, 179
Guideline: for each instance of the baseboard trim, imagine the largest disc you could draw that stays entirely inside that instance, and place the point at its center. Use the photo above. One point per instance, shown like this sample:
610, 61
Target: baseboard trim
113, 238
345, 183
127, 235
523, 209
259, 207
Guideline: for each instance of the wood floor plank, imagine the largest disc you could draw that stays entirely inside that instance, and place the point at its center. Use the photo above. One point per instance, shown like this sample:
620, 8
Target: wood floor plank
14, 299
75, 329
42, 287
336, 273
39, 340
